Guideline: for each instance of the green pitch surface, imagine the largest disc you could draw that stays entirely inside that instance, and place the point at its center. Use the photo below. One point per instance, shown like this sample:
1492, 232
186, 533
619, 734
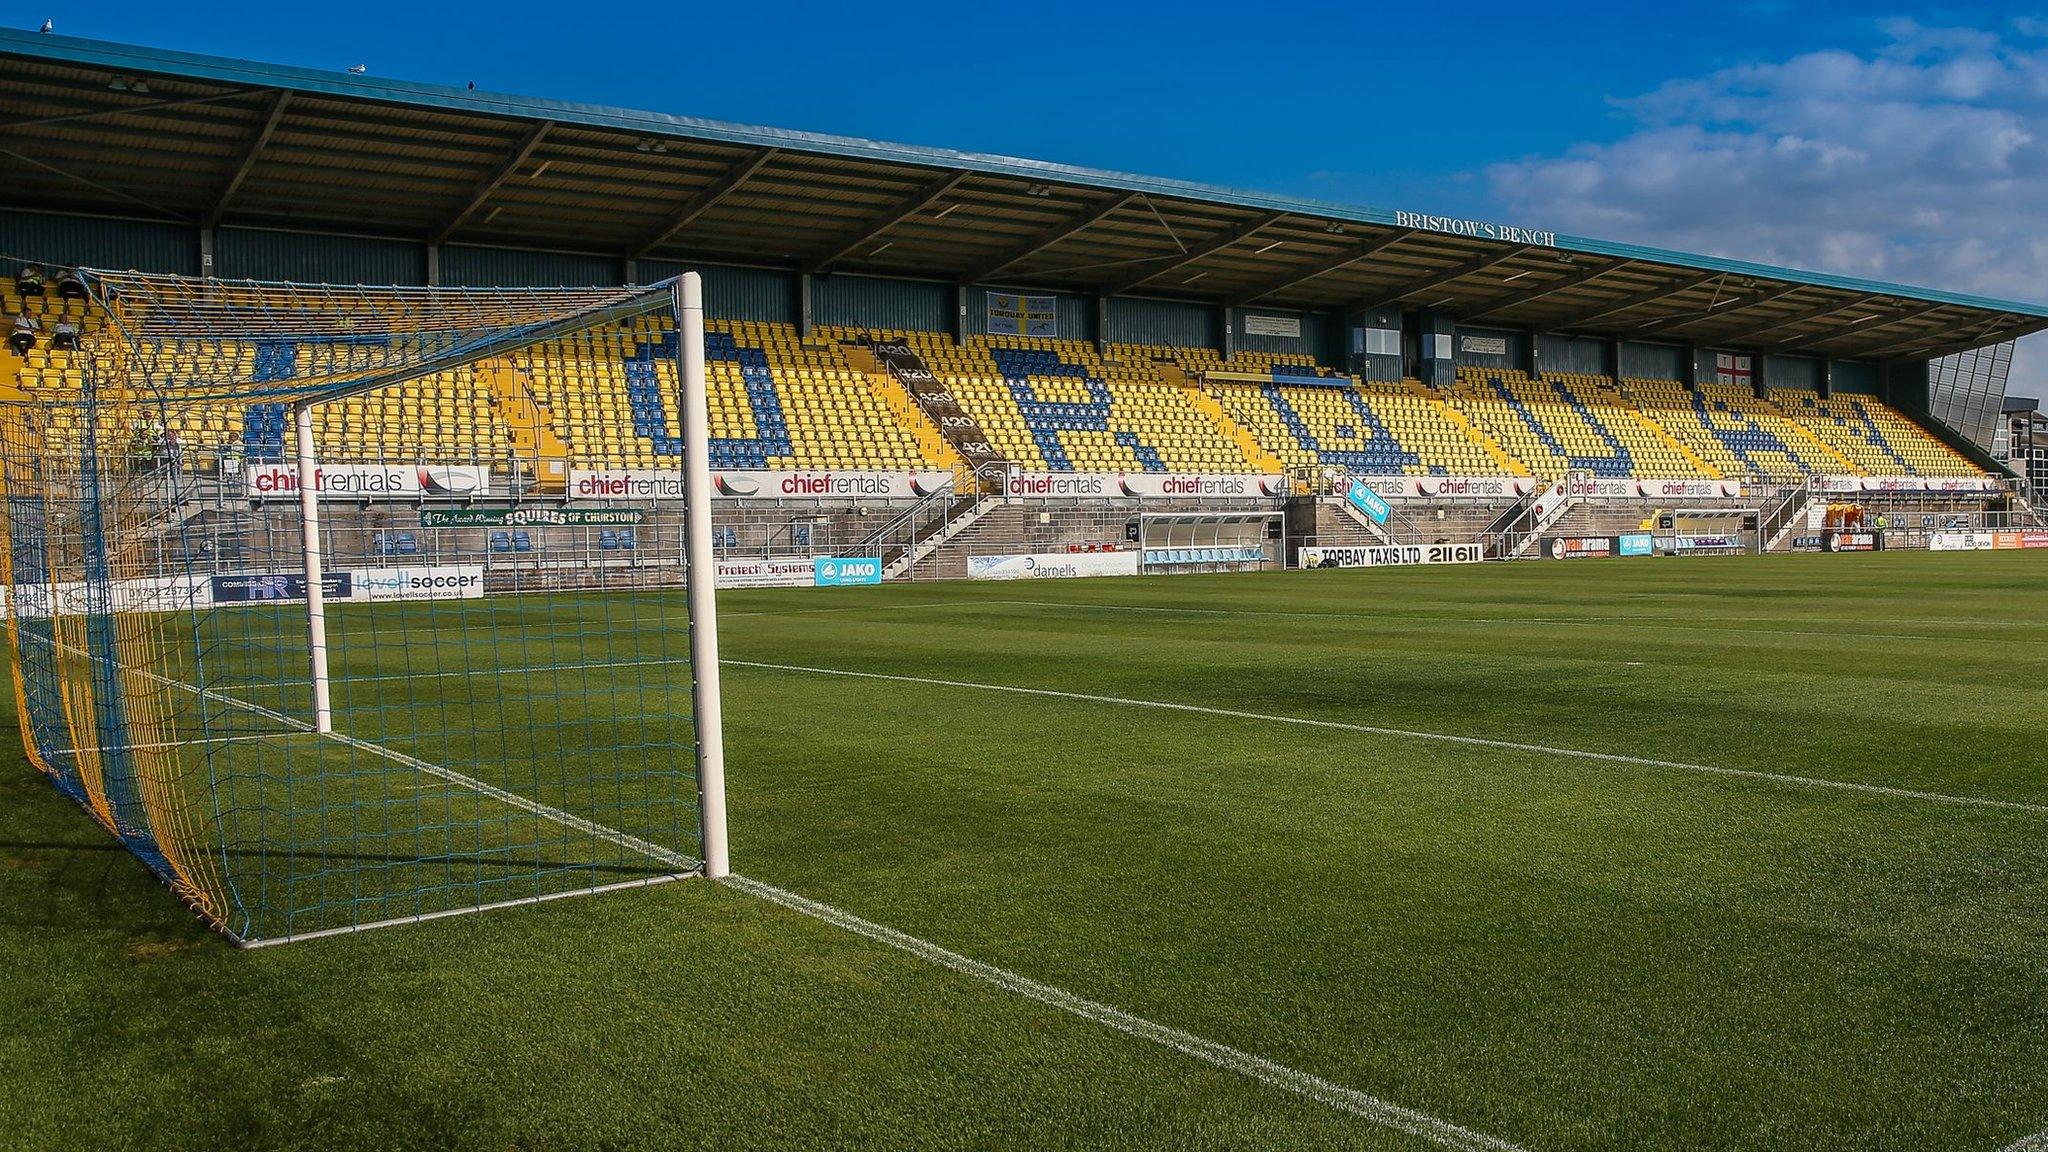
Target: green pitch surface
1644, 855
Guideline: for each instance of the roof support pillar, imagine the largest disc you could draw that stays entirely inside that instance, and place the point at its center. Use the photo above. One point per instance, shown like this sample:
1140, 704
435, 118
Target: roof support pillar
806, 318
1532, 357
433, 265
206, 264
1827, 377
1101, 324
630, 272
960, 315
1614, 361
1695, 373
1229, 330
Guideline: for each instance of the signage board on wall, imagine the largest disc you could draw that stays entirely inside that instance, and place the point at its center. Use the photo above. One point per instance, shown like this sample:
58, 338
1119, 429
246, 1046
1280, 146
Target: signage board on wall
1446, 487
1851, 542
1146, 486
1010, 314
1052, 565
1263, 325
1483, 345
1386, 555
368, 481
1579, 547
1670, 488
845, 484
534, 517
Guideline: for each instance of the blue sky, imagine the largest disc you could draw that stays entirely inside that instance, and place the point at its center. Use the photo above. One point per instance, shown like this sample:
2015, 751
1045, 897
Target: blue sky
1892, 142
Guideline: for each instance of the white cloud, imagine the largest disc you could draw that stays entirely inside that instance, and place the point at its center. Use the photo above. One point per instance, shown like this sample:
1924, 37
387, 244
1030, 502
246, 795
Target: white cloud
1924, 161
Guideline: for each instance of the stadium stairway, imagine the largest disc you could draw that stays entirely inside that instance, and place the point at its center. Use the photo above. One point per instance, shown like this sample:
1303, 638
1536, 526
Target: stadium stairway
931, 438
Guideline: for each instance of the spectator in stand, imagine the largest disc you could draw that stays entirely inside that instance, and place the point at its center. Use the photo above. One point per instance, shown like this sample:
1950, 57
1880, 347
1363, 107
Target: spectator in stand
23, 337
29, 281
65, 337
69, 286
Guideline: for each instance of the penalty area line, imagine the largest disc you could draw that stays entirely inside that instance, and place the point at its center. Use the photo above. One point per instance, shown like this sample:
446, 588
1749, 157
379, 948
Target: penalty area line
1437, 737
1234, 1060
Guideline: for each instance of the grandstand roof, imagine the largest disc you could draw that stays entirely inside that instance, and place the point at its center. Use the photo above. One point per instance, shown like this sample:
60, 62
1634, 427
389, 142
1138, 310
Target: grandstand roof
211, 141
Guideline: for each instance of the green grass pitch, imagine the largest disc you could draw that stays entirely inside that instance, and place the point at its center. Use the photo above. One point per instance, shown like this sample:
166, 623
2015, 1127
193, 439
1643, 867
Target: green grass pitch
1693, 942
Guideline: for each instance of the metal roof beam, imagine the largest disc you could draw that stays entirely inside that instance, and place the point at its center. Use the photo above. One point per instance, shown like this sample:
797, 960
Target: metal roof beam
520, 154
1633, 302
1050, 237
132, 109
248, 161
1322, 267
1201, 251
1870, 324
1670, 324
1547, 288
1818, 312
702, 202
2026, 326
1478, 263
915, 203
97, 186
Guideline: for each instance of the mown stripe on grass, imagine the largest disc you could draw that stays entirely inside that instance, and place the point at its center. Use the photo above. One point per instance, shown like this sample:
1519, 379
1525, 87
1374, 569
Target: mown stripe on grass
1235, 1060
1414, 734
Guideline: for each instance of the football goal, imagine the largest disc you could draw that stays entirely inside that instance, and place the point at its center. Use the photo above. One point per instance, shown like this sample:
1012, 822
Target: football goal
300, 608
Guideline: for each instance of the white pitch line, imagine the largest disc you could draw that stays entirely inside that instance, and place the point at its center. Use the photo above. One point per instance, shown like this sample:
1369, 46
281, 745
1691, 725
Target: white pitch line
195, 740
1222, 1056
1413, 734
2038, 1142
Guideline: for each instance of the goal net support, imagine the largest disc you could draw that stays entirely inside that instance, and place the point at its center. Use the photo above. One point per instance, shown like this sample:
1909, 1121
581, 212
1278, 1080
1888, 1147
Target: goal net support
299, 607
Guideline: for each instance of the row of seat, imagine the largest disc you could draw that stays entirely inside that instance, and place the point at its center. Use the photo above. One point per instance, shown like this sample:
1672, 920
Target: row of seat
778, 400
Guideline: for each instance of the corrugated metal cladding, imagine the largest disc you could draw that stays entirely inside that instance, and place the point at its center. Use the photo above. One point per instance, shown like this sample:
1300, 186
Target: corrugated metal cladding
1319, 333
1653, 362
1075, 314
1473, 346
1136, 321
257, 254
517, 268
1582, 355
908, 305
1792, 372
75, 241
764, 294
1854, 376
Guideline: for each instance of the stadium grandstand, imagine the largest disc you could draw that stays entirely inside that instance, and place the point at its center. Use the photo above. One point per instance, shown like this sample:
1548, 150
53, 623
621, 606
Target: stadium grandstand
1086, 322
376, 459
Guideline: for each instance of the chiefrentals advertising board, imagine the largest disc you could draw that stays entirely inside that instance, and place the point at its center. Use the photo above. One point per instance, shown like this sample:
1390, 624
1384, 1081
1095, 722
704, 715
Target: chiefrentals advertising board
1842, 485
368, 481
844, 484
1389, 555
1517, 487
1052, 565
1146, 486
